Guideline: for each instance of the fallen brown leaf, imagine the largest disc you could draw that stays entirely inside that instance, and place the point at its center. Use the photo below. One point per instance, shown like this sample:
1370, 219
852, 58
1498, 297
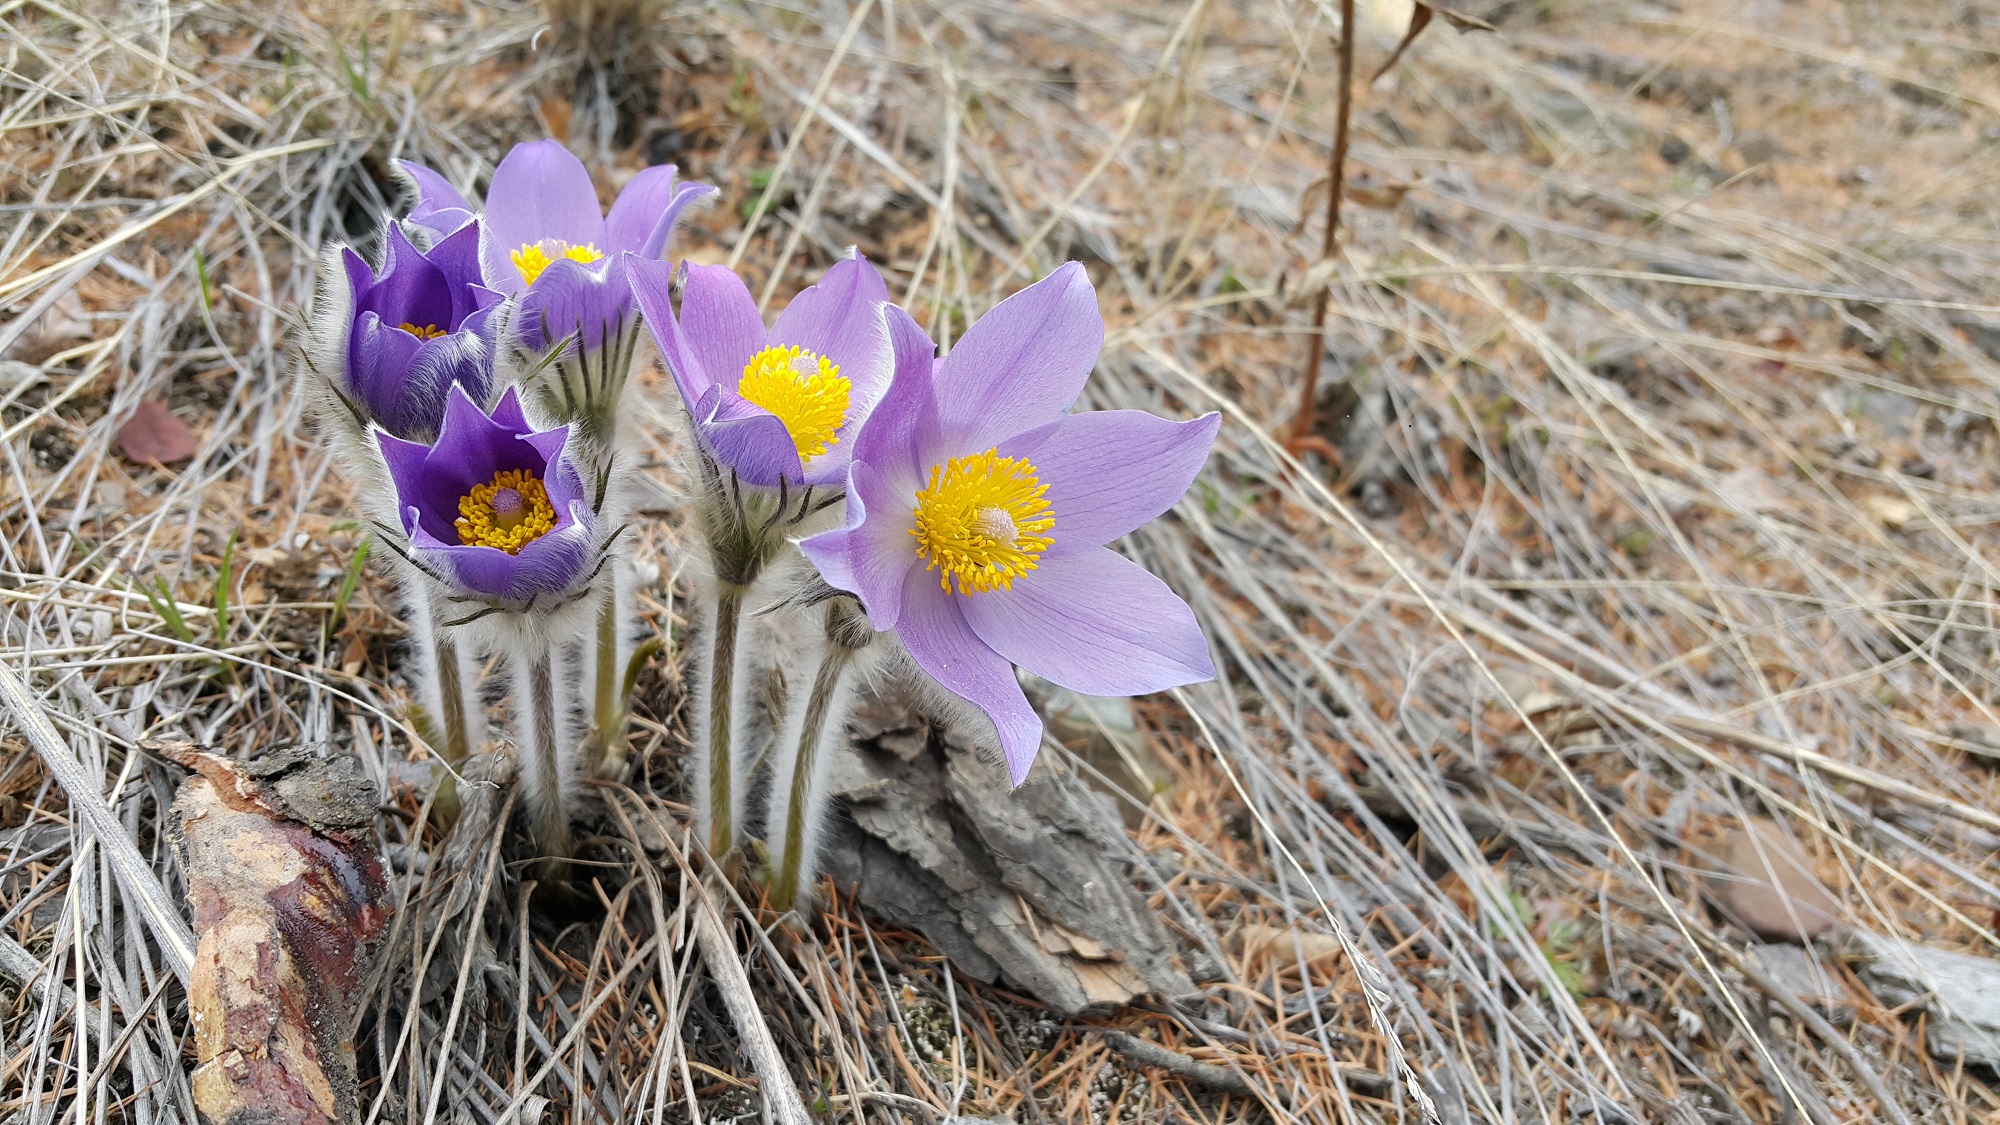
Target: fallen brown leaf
1770, 887
154, 435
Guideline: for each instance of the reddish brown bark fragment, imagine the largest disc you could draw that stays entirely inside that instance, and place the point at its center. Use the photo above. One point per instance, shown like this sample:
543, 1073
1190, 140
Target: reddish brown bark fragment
287, 897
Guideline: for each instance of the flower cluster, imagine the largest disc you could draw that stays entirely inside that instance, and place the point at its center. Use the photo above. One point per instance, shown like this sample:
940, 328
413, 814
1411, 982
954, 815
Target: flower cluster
864, 507
471, 384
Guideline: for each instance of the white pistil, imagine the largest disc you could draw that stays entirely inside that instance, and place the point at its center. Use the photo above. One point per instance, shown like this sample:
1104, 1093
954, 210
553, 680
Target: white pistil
996, 524
508, 511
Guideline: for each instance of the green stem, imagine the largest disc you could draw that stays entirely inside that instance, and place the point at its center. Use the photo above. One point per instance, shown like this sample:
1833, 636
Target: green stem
607, 732
457, 739
791, 856
544, 775
451, 689
721, 699
821, 728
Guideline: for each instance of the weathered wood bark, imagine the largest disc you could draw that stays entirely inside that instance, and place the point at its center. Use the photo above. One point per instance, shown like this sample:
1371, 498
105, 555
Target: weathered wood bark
287, 897
1030, 888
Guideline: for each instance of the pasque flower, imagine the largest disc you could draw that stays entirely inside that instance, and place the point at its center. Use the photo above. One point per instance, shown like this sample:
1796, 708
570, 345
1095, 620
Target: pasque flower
440, 209
495, 509
777, 405
978, 513
775, 414
420, 328
549, 244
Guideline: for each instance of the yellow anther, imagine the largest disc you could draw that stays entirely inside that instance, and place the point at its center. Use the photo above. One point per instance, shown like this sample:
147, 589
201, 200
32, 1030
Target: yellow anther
509, 512
982, 520
534, 257
802, 389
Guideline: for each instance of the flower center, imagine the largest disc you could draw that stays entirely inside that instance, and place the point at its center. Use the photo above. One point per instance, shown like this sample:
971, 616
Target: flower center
803, 390
534, 257
427, 332
982, 520
509, 512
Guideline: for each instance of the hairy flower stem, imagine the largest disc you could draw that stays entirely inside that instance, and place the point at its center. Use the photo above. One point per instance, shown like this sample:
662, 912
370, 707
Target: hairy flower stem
726, 659
745, 530
607, 726
541, 740
451, 686
457, 740
444, 683
807, 744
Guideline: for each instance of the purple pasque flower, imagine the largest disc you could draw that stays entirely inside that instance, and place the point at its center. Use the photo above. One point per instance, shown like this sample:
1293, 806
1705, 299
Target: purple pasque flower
494, 509
440, 209
782, 405
551, 246
978, 513
417, 330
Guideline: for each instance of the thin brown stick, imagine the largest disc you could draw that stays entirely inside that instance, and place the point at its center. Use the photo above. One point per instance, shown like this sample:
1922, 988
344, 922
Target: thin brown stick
1305, 421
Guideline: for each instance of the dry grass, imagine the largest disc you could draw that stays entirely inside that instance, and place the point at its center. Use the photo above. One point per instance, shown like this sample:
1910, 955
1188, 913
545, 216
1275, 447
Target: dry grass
1666, 497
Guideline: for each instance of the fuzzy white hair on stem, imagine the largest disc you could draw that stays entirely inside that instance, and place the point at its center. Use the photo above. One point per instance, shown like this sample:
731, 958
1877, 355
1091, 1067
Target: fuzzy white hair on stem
814, 730
540, 738
447, 677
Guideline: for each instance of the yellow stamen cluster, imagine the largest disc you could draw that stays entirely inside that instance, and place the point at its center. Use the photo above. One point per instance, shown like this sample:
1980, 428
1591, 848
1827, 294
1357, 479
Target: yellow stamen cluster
509, 512
982, 520
427, 332
534, 257
803, 390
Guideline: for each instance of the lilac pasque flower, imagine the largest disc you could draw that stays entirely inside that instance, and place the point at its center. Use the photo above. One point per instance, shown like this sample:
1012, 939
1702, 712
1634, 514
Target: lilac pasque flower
418, 330
548, 241
440, 209
782, 405
495, 508
978, 513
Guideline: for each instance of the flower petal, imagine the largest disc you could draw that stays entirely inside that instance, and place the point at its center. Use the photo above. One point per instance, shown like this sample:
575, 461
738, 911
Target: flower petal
405, 460
482, 570
410, 290
721, 322
379, 377
872, 556
509, 412
457, 257
652, 290
1022, 364
1095, 622
1109, 471
540, 191
838, 319
643, 215
440, 208
893, 438
553, 563
360, 278
747, 438
585, 305
457, 359
935, 632
560, 476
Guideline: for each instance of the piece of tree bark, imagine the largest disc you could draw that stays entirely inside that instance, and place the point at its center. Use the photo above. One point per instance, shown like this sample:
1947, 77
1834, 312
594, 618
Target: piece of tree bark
287, 896
1030, 887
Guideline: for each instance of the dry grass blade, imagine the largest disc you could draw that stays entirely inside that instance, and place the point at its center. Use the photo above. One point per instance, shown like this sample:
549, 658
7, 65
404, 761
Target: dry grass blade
106, 831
